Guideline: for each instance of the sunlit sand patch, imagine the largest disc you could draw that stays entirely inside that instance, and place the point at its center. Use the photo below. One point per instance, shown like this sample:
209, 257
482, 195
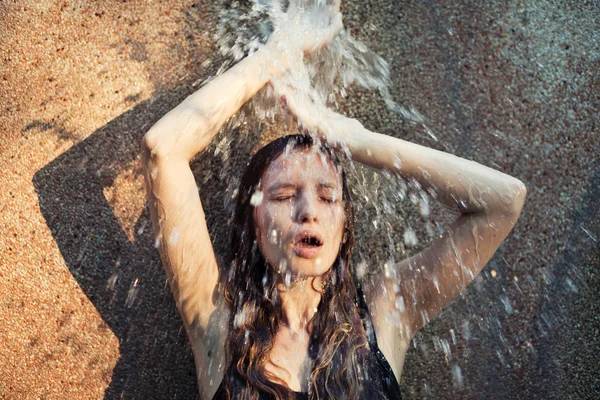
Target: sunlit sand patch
126, 198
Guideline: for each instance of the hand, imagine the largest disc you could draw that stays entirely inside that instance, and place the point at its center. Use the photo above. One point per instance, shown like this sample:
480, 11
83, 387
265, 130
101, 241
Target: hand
305, 29
316, 118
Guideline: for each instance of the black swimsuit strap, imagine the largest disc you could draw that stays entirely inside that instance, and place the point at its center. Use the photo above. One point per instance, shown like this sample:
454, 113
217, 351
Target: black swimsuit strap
391, 388
365, 315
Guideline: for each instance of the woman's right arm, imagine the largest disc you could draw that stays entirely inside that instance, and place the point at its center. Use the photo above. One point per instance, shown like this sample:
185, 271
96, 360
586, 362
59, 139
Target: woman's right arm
177, 215
168, 147
176, 211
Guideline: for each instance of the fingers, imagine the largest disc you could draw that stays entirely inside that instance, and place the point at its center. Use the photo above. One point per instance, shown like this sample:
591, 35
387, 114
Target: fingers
337, 24
337, 4
327, 35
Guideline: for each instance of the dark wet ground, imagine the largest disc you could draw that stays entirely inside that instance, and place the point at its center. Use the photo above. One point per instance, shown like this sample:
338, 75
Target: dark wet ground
84, 309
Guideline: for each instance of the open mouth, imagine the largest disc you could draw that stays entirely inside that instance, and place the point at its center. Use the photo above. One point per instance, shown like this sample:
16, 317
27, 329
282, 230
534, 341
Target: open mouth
307, 244
310, 241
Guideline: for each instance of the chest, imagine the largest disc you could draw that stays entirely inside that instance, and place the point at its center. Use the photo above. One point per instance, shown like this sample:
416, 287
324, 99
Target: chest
289, 361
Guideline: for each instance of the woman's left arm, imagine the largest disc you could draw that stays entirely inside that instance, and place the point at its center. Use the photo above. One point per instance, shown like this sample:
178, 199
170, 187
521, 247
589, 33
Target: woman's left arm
489, 202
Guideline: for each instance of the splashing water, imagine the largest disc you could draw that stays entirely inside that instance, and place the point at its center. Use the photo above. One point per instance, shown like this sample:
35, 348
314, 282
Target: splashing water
395, 218
324, 77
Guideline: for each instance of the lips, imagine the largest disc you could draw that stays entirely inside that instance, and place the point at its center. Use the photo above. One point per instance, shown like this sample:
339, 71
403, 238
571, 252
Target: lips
307, 244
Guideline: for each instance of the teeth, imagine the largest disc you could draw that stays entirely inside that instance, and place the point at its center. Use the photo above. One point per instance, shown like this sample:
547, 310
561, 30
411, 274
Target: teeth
311, 241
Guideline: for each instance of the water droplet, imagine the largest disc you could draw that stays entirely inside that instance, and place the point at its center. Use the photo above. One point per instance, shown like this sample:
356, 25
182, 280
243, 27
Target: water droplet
436, 283
388, 271
288, 279
240, 318
400, 305
424, 206
112, 281
264, 280
410, 238
466, 330
283, 265
257, 198
571, 285
457, 376
142, 227
174, 237
507, 306
132, 293
361, 270
273, 236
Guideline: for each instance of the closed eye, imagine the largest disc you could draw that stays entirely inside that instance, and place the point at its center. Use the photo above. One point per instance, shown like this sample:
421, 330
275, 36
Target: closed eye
283, 198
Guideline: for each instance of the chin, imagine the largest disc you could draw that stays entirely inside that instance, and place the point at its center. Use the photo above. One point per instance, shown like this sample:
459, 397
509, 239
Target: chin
305, 268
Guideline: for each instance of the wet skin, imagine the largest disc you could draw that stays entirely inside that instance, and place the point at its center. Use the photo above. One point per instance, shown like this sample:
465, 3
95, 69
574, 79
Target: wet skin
300, 220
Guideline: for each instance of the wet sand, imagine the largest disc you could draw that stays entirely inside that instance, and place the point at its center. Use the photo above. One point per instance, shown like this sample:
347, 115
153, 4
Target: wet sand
84, 307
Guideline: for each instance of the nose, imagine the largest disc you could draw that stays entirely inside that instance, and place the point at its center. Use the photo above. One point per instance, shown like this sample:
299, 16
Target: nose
306, 209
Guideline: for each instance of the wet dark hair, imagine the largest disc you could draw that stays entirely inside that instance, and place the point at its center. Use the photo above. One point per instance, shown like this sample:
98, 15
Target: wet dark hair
338, 343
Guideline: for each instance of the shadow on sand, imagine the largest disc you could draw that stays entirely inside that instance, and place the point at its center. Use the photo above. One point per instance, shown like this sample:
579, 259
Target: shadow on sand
155, 358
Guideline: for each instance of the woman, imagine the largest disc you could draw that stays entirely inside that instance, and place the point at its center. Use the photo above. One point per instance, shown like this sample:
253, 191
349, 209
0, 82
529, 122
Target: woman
285, 320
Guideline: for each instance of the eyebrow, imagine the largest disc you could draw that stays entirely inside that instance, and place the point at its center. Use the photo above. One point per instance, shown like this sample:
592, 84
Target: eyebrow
327, 185
283, 185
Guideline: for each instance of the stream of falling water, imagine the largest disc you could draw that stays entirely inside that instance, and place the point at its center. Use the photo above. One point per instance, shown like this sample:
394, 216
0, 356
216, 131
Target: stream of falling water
388, 203
395, 218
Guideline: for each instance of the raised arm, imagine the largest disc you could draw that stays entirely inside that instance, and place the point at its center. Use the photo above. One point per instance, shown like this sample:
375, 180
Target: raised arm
489, 202
176, 211
177, 216
168, 147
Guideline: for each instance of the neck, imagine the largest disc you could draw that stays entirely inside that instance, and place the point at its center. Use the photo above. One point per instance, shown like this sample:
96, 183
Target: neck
299, 302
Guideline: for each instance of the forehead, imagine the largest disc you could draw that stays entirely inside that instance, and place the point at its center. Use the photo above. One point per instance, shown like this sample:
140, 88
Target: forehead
303, 165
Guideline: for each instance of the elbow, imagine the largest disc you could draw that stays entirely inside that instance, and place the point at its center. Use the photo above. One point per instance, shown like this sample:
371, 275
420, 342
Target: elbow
150, 149
519, 193
148, 142
179, 135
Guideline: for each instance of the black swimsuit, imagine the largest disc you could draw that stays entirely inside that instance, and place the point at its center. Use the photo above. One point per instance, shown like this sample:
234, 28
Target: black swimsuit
381, 384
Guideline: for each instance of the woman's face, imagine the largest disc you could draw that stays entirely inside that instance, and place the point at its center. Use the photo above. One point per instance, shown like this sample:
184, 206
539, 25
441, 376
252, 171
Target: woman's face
300, 219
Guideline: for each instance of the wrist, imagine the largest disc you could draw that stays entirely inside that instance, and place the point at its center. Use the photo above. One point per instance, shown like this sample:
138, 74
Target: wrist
279, 57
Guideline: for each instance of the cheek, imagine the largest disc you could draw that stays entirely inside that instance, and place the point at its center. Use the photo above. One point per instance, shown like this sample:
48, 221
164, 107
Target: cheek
261, 222
340, 218
266, 220
336, 222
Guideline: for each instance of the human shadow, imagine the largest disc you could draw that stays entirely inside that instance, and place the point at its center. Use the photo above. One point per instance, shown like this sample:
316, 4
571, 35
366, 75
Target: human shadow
566, 324
125, 280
